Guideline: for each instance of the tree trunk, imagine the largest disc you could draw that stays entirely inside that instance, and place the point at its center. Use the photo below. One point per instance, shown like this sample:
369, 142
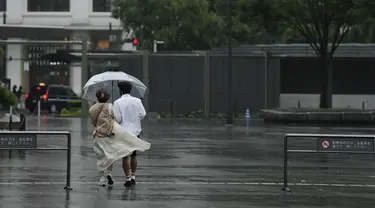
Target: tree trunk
326, 91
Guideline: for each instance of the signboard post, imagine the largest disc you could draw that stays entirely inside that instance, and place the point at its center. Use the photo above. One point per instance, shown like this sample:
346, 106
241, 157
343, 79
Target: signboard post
17, 141
330, 143
346, 145
27, 140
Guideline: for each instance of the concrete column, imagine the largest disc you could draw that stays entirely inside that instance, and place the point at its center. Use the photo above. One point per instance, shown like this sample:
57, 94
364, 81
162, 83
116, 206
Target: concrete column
25, 70
75, 77
206, 86
14, 63
266, 59
80, 10
15, 9
146, 81
145, 78
75, 73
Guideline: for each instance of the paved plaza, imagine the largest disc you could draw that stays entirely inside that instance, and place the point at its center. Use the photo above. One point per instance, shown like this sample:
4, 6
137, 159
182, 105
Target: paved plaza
190, 164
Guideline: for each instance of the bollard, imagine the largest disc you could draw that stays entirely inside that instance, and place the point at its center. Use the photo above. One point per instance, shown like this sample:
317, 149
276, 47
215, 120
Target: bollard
38, 115
22, 122
235, 109
22, 128
171, 107
299, 104
363, 105
247, 117
10, 126
10, 118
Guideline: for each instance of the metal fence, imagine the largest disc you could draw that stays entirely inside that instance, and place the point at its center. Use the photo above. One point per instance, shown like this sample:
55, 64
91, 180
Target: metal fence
28, 140
329, 143
197, 82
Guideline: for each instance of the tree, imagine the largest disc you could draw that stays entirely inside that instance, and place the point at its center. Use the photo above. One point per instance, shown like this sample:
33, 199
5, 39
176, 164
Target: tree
362, 33
324, 24
262, 20
181, 24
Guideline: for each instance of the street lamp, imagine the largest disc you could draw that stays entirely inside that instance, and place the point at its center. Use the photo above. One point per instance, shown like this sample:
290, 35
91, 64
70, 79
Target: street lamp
112, 38
156, 43
230, 72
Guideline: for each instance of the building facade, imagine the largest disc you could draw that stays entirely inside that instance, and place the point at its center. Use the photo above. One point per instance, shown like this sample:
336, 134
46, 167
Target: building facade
90, 18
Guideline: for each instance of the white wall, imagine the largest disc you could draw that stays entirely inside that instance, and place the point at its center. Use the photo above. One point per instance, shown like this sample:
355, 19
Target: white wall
75, 78
15, 9
80, 14
80, 11
14, 66
338, 101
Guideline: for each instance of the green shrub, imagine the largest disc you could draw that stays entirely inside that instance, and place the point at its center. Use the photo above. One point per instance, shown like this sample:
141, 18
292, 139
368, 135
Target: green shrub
74, 105
70, 113
7, 97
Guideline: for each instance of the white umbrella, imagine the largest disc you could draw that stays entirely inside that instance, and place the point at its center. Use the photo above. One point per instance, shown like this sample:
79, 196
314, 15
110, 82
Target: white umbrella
108, 80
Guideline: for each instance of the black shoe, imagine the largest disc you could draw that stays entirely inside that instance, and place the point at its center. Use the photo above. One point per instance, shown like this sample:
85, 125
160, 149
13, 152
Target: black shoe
133, 181
110, 181
128, 184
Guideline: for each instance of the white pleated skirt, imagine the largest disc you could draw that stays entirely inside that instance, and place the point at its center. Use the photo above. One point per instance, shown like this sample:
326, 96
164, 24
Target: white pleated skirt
122, 144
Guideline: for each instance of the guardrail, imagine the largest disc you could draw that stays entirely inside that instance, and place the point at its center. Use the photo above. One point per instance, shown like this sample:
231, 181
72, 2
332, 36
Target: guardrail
28, 140
330, 143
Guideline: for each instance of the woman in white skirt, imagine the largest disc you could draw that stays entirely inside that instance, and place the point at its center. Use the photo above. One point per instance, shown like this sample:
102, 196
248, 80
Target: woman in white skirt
111, 143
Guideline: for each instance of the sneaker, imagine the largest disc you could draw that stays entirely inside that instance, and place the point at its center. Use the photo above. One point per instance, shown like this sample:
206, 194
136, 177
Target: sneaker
133, 181
102, 181
128, 184
110, 181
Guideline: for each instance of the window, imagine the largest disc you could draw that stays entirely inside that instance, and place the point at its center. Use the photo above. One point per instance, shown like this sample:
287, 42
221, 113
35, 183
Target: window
3, 5
64, 91
37, 91
101, 5
69, 92
48, 5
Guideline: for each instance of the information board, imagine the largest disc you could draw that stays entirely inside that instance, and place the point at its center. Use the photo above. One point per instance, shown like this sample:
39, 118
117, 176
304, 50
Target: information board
18, 141
346, 144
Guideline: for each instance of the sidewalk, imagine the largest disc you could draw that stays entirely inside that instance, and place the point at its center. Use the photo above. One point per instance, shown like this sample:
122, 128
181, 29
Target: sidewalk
189, 165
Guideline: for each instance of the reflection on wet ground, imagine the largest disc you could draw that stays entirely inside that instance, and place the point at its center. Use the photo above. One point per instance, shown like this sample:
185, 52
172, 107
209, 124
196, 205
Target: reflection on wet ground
190, 165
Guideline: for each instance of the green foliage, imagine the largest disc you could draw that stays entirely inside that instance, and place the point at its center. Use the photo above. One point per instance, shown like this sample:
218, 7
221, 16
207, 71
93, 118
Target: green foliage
7, 97
322, 22
254, 22
70, 113
202, 24
181, 24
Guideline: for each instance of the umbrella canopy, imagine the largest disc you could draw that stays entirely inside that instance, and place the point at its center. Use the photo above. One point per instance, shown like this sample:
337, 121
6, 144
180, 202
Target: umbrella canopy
108, 81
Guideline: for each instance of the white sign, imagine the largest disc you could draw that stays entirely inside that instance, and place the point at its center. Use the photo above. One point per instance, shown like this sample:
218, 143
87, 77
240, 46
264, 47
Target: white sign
325, 144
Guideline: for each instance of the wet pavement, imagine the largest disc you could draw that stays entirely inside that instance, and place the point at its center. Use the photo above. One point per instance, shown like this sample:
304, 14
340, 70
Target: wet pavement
189, 165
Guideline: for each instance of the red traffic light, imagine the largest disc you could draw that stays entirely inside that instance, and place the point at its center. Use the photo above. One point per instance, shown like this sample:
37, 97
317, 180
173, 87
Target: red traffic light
135, 41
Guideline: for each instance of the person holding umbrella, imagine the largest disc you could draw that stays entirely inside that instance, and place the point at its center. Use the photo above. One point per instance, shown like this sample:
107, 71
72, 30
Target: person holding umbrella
129, 112
111, 142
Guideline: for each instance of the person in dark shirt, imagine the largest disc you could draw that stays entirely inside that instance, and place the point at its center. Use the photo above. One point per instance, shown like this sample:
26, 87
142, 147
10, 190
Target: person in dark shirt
14, 89
19, 94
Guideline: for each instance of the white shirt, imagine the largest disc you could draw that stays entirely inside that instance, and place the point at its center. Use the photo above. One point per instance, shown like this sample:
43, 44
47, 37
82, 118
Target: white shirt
129, 112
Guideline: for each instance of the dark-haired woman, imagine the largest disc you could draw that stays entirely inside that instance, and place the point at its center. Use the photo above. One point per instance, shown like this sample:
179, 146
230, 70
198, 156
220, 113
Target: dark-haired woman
111, 143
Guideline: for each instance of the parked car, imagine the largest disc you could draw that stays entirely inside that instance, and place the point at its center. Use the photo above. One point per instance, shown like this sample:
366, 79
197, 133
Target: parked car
53, 98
